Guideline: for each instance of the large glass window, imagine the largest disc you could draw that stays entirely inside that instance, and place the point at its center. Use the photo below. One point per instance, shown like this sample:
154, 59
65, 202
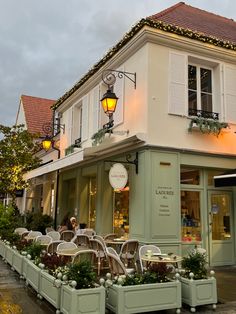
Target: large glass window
121, 212
199, 88
92, 203
190, 216
190, 176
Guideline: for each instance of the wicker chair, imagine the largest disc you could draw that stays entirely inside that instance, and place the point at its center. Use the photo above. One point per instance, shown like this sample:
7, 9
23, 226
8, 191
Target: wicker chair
128, 253
110, 237
52, 246
97, 246
82, 240
85, 255
55, 235
143, 250
66, 246
100, 238
43, 239
116, 265
20, 230
67, 235
111, 250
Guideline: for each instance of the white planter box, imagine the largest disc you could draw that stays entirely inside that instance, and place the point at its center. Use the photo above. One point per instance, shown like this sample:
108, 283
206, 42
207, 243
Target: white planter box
82, 301
24, 266
9, 255
144, 298
33, 275
199, 292
2, 249
47, 289
17, 262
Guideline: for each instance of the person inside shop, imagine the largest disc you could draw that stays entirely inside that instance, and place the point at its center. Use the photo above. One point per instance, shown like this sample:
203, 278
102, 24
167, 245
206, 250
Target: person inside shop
74, 223
65, 224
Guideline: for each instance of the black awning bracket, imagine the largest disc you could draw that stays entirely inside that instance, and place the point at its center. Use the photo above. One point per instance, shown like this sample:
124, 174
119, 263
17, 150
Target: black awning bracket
128, 161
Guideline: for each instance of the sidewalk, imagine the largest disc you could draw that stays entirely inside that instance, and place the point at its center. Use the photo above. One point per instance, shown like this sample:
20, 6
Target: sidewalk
16, 298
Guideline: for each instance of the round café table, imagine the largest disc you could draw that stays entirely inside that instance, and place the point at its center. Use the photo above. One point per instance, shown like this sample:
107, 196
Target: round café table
116, 243
161, 258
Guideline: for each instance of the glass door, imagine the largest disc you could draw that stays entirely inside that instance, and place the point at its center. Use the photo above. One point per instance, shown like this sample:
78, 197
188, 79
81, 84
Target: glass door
221, 243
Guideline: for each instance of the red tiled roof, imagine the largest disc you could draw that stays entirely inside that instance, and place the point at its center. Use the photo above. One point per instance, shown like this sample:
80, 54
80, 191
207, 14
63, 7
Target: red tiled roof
197, 20
37, 112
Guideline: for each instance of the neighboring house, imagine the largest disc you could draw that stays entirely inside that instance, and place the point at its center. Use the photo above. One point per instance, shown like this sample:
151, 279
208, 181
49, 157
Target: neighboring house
185, 64
35, 113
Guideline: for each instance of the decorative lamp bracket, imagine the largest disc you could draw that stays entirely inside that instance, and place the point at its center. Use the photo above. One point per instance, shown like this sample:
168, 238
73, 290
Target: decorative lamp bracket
128, 161
109, 76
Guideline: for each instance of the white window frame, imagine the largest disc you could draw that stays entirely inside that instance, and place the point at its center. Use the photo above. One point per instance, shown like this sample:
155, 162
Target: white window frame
198, 90
77, 118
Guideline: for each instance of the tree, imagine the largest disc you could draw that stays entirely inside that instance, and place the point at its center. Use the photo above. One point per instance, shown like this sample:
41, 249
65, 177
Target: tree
17, 156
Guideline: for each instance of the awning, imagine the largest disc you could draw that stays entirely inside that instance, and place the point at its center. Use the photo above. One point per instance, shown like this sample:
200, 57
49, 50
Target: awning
86, 154
226, 179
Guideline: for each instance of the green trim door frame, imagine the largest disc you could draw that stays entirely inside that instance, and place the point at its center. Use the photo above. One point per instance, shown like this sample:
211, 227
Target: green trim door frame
220, 228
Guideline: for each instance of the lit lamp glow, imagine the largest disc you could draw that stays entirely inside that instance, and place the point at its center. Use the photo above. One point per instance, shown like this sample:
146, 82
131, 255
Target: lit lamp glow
47, 143
109, 101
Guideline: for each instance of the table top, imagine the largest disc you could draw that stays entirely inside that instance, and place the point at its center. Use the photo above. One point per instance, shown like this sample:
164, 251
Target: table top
71, 252
162, 258
116, 241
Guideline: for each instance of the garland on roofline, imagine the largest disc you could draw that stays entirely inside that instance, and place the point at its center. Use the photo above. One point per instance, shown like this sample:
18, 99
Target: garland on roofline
134, 30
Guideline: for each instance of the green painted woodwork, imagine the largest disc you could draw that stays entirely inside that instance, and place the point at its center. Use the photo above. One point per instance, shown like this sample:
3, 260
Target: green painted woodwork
9, 255
48, 290
144, 298
199, 292
17, 262
82, 301
33, 275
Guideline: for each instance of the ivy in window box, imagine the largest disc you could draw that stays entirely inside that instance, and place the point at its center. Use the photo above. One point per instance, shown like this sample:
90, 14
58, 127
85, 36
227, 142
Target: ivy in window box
98, 137
207, 126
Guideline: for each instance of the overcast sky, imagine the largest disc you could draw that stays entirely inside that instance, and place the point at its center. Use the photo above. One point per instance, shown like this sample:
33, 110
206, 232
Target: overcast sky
47, 45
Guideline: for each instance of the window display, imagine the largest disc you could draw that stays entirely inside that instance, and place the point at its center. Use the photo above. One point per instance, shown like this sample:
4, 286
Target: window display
190, 216
121, 212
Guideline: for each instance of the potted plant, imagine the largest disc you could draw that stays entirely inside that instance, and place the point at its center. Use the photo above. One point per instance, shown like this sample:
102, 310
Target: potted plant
139, 293
198, 288
82, 294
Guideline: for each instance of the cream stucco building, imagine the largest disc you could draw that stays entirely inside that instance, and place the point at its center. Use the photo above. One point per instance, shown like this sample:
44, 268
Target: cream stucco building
185, 65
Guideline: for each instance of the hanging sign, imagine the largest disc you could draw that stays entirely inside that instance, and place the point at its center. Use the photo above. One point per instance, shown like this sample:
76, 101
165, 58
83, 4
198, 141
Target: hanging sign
118, 176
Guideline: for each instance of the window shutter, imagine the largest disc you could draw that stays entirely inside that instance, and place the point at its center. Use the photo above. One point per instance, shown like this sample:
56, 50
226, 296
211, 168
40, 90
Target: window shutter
85, 111
69, 126
119, 91
178, 84
230, 93
95, 104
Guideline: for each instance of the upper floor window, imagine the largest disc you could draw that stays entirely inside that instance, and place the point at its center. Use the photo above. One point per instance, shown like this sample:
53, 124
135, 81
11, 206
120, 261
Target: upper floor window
199, 90
77, 122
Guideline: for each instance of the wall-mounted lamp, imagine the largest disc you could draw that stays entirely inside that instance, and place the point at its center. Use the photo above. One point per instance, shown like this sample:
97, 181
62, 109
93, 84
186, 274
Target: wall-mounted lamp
47, 141
109, 99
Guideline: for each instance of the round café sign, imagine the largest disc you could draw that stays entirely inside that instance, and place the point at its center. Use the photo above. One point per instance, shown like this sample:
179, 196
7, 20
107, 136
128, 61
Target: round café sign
118, 176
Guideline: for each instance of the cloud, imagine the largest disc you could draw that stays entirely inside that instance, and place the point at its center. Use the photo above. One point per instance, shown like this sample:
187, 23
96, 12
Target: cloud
46, 46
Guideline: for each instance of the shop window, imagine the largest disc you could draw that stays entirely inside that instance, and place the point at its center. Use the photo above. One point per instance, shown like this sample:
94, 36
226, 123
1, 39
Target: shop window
190, 216
121, 212
190, 176
92, 203
210, 176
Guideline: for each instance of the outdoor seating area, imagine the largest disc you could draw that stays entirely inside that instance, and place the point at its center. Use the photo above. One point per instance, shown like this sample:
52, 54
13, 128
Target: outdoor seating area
62, 269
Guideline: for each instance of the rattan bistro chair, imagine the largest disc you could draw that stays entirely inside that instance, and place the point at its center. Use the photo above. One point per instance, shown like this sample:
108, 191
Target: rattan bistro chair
82, 240
143, 250
55, 235
67, 235
52, 246
116, 265
43, 239
97, 246
86, 255
128, 253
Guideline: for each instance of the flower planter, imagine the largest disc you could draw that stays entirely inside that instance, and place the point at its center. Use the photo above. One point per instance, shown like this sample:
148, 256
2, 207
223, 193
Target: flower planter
33, 275
49, 291
199, 292
82, 300
17, 262
2, 249
144, 298
24, 266
9, 255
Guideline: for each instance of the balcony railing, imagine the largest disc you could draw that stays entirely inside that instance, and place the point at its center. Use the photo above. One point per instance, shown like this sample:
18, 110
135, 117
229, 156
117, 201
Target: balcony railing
203, 114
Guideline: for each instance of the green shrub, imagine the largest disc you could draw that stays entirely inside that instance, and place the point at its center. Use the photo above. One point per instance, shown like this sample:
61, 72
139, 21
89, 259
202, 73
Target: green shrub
83, 274
195, 263
34, 250
38, 221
